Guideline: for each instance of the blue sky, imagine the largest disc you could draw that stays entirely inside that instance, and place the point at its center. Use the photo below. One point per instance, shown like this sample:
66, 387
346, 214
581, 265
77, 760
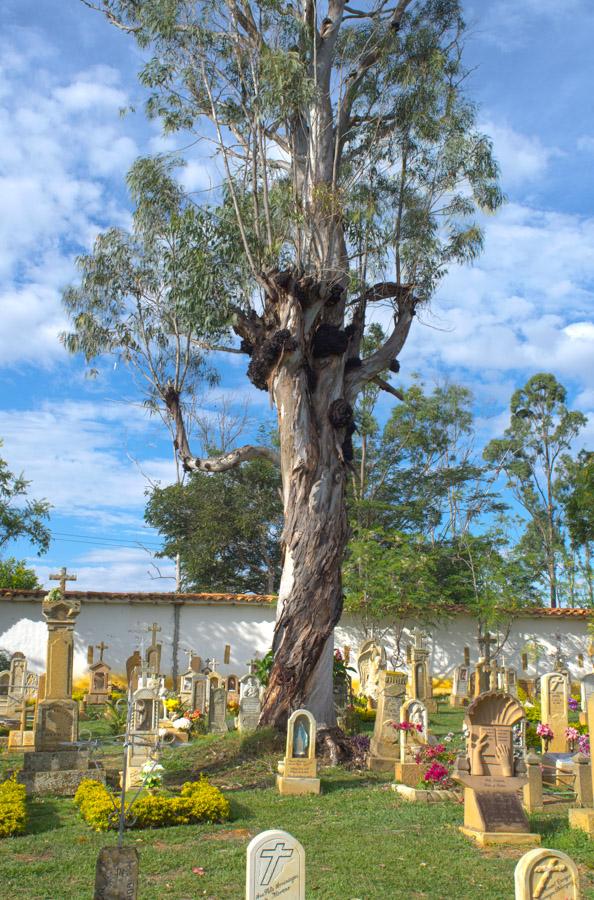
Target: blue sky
87, 445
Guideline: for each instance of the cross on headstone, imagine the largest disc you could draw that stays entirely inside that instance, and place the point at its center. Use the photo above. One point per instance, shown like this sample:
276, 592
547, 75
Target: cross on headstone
485, 645
190, 655
274, 855
63, 577
154, 628
252, 666
101, 648
547, 869
211, 664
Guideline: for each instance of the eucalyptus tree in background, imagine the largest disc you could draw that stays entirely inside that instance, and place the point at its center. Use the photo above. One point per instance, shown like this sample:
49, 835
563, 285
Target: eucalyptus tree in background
19, 515
541, 429
352, 170
575, 489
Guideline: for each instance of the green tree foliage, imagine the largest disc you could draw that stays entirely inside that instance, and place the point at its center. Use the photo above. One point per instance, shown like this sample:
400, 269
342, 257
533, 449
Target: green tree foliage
20, 516
541, 428
15, 574
225, 528
575, 488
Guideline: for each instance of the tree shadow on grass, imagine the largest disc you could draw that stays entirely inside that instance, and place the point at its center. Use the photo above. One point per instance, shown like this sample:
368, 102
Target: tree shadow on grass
43, 815
332, 786
239, 810
549, 826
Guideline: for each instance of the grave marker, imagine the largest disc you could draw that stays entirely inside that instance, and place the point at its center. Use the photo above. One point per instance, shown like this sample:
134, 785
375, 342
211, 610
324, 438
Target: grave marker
297, 773
415, 713
249, 702
460, 687
275, 867
491, 775
420, 686
370, 662
217, 710
116, 874
554, 691
384, 749
543, 874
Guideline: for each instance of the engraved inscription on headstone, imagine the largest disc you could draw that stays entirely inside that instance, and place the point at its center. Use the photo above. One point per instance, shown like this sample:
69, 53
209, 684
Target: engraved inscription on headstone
544, 874
116, 874
275, 867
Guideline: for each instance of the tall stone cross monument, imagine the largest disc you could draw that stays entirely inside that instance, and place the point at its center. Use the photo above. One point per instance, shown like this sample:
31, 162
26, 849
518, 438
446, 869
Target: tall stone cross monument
153, 654
56, 721
483, 668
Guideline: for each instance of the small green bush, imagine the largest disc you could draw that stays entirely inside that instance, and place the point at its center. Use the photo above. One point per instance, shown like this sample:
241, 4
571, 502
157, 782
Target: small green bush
199, 801
13, 809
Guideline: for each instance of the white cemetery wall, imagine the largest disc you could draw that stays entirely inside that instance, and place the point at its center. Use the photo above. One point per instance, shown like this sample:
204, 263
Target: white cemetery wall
206, 626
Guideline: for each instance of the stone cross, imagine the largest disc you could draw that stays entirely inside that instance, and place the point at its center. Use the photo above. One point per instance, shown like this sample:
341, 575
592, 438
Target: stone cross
212, 664
252, 666
190, 655
419, 639
101, 648
485, 645
154, 628
63, 577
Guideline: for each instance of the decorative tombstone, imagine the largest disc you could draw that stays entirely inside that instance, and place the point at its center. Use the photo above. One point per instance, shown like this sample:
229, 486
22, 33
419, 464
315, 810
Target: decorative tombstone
543, 874
16, 685
413, 714
199, 692
4, 684
584, 818
215, 679
144, 733
460, 687
185, 688
554, 691
99, 683
420, 686
297, 773
249, 703
133, 668
116, 874
510, 681
217, 710
384, 749
275, 867
491, 776
56, 721
370, 662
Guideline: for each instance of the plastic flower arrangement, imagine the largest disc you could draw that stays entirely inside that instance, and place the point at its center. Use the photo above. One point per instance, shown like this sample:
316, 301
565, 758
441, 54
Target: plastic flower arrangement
233, 707
152, 777
437, 773
545, 732
172, 704
573, 704
407, 726
584, 744
182, 724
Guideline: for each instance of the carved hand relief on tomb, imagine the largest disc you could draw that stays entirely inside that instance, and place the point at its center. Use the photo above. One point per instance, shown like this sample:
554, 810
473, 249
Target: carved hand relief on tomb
275, 867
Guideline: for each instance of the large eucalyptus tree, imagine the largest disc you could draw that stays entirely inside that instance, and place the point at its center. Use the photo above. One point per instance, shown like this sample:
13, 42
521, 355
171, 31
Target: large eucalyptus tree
352, 170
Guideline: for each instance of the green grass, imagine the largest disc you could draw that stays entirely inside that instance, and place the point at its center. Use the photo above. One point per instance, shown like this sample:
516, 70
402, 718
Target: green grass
361, 840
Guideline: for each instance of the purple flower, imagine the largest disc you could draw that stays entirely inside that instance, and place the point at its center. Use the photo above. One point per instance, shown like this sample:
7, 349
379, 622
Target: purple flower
573, 704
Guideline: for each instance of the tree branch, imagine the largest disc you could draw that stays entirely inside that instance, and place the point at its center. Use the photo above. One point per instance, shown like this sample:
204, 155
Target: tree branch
386, 386
231, 460
380, 360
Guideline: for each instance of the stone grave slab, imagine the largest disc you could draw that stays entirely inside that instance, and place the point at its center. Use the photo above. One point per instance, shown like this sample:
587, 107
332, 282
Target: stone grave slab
116, 874
275, 867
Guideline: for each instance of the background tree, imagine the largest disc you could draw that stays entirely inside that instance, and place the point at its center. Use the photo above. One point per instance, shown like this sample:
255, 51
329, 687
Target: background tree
225, 528
15, 574
575, 489
541, 428
350, 155
20, 516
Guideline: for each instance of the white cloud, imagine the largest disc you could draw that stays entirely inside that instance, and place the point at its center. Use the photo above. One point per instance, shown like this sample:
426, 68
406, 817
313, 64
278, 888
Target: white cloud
60, 139
120, 569
521, 157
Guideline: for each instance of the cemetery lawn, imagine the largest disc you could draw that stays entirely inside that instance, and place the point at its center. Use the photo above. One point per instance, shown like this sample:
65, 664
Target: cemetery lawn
362, 842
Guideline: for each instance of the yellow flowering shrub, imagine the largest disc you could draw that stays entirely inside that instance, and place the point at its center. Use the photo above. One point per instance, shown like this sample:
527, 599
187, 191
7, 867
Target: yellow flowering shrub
199, 801
13, 810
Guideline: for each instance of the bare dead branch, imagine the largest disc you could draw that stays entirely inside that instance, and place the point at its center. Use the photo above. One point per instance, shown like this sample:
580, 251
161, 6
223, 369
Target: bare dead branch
231, 460
388, 388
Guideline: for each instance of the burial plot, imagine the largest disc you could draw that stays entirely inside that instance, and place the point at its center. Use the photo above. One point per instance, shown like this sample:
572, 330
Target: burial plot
491, 776
460, 687
543, 874
384, 748
116, 874
249, 702
370, 662
143, 736
554, 692
275, 867
412, 713
297, 773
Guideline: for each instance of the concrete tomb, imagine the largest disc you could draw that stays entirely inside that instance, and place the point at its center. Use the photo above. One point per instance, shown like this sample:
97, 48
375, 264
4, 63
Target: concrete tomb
384, 748
491, 775
217, 709
460, 686
99, 679
420, 685
543, 874
142, 738
298, 771
275, 867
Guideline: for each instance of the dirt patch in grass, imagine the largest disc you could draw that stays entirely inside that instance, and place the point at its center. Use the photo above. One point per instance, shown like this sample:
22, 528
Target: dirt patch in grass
234, 834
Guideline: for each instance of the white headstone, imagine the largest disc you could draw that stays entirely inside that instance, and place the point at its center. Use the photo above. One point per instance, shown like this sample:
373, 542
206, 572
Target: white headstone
275, 867
543, 874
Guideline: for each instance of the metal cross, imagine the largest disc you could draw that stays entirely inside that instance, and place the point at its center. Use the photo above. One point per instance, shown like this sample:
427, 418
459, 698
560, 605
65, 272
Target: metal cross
63, 577
101, 647
154, 628
274, 855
